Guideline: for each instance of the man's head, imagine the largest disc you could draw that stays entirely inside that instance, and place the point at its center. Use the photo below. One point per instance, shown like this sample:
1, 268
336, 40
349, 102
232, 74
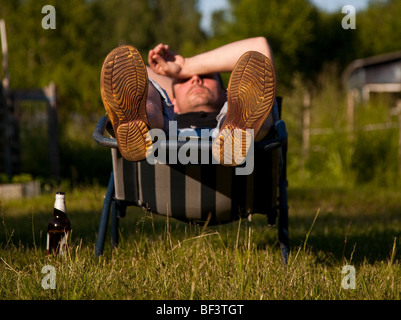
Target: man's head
199, 93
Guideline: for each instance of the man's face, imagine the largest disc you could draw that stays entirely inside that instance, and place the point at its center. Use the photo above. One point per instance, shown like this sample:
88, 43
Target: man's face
199, 93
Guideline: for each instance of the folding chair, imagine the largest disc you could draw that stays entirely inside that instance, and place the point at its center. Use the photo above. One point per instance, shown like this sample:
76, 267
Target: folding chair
205, 193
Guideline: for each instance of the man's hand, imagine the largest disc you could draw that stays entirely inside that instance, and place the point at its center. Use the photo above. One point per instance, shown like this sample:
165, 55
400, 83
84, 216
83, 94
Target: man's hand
165, 62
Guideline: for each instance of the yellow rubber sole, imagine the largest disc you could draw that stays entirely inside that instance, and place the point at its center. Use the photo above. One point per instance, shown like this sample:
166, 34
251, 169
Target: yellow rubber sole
124, 89
250, 97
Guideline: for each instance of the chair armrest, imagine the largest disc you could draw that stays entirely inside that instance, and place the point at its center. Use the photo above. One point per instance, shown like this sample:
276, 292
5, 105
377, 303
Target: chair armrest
281, 139
98, 134
99, 137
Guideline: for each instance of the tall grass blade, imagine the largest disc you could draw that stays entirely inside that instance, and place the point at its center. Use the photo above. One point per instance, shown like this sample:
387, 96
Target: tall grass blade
310, 229
393, 251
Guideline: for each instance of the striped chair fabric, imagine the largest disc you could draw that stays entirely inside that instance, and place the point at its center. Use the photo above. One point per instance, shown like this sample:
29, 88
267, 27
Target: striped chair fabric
207, 192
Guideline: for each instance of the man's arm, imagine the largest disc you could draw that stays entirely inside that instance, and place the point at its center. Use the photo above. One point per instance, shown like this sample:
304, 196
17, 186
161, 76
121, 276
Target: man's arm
164, 81
222, 59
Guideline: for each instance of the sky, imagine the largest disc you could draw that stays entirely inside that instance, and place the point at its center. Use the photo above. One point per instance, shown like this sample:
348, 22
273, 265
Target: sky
208, 6
333, 5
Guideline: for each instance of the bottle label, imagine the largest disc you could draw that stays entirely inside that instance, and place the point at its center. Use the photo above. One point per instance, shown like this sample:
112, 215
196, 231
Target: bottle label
59, 204
63, 245
57, 243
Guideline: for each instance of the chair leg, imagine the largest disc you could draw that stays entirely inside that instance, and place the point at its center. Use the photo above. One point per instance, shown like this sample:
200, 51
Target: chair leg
283, 234
118, 211
115, 221
104, 217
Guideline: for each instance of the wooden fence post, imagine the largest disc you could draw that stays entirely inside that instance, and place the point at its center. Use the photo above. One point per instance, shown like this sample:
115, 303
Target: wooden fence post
4, 51
397, 112
51, 94
305, 127
350, 113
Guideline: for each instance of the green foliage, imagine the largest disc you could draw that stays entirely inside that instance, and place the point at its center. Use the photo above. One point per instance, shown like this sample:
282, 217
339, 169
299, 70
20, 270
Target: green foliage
379, 28
336, 156
239, 261
166, 259
72, 56
22, 178
304, 40
288, 25
375, 156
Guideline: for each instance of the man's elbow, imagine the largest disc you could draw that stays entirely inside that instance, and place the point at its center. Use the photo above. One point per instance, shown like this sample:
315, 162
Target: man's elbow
264, 47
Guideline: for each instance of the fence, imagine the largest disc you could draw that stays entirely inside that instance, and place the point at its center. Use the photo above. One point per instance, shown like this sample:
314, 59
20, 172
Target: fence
307, 131
10, 101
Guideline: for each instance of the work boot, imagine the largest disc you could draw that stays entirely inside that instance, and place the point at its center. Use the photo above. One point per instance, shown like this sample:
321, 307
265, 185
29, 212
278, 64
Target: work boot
124, 90
250, 97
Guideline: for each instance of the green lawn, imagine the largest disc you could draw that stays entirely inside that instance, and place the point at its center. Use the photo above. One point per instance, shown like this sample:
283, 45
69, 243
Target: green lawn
160, 259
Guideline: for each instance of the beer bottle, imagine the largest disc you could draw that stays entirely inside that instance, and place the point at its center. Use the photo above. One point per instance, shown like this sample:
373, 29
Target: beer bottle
59, 227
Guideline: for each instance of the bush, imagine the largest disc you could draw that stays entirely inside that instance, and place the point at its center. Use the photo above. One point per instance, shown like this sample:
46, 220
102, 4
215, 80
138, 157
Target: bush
375, 157
336, 156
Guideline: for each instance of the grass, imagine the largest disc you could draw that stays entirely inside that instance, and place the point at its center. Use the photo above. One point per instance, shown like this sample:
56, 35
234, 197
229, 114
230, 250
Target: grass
344, 210
166, 259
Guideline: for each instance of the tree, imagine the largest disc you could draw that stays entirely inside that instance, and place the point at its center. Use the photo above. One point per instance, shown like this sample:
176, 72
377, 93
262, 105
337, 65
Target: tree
72, 54
379, 28
289, 26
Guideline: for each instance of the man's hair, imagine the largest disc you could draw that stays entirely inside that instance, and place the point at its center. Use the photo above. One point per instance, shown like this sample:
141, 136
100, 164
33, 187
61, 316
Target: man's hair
220, 79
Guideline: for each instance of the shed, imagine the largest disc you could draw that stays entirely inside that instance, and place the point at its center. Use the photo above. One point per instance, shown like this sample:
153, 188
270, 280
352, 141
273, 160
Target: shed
380, 73
374, 74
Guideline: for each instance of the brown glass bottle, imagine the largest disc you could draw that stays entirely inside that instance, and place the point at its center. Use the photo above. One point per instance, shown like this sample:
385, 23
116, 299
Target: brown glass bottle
59, 227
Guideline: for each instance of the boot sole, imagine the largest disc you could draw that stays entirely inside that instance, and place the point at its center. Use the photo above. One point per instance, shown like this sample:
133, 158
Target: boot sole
124, 89
251, 94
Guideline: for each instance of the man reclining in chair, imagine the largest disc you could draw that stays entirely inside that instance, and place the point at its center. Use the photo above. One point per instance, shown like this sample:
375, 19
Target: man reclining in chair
139, 98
